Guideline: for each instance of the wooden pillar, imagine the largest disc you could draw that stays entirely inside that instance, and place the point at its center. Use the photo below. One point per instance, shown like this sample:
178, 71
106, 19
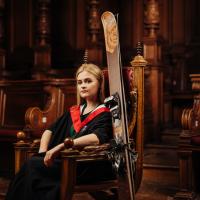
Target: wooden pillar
152, 53
186, 175
2, 37
94, 45
138, 64
42, 56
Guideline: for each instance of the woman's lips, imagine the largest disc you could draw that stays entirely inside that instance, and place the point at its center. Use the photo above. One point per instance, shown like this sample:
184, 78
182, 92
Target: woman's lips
84, 91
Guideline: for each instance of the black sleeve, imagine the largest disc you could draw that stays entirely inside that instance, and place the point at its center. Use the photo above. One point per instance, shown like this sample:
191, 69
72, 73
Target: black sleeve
59, 122
103, 127
60, 129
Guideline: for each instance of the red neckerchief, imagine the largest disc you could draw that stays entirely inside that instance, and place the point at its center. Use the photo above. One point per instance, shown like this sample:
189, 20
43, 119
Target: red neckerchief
76, 116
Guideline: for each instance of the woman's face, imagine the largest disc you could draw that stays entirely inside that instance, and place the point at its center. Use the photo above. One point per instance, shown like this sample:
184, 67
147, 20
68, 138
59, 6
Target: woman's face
87, 85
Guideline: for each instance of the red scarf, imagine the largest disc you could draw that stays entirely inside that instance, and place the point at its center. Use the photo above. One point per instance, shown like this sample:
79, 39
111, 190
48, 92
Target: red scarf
76, 116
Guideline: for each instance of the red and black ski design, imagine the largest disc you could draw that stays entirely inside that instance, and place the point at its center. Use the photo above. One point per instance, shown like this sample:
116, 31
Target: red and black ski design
124, 160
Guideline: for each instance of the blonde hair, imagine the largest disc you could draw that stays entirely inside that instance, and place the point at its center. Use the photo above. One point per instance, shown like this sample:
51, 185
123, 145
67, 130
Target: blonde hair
97, 72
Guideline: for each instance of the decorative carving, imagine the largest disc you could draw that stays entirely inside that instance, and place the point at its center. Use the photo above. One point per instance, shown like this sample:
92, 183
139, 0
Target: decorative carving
94, 45
2, 28
189, 143
94, 22
43, 22
138, 64
186, 121
2, 36
42, 58
190, 118
152, 17
85, 57
195, 78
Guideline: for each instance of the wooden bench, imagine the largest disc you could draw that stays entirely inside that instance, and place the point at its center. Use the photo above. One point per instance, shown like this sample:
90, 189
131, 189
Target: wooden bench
15, 99
189, 147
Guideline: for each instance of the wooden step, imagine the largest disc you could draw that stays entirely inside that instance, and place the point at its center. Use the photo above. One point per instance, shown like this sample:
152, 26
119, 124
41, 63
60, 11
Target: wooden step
160, 166
160, 156
170, 136
3, 187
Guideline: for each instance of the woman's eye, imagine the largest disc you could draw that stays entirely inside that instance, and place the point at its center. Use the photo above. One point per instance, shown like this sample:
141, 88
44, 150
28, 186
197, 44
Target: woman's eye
88, 81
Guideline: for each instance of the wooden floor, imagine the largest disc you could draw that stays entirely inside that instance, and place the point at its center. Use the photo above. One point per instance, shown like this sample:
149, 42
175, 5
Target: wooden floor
148, 191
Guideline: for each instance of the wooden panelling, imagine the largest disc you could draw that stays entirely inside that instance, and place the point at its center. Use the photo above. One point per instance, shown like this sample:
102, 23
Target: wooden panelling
16, 97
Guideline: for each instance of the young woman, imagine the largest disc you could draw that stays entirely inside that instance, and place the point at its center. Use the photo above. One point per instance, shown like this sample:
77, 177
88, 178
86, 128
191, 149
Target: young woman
88, 123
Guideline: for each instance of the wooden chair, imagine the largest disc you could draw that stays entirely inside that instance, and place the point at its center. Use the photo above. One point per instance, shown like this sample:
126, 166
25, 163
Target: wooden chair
24, 148
189, 147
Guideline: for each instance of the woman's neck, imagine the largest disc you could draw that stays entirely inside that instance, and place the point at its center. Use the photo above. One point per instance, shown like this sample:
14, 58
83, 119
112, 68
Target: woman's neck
91, 105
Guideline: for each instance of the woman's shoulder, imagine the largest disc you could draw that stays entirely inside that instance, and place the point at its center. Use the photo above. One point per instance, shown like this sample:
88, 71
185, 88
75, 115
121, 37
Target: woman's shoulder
104, 112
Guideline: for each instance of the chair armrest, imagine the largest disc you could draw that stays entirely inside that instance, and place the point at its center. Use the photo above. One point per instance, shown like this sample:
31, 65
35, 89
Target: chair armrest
24, 148
96, 152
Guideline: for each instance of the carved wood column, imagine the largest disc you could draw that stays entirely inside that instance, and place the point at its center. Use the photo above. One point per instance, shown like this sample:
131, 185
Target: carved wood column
93, 32
2, 37
42, 58
138, 64
152, 53
191, 125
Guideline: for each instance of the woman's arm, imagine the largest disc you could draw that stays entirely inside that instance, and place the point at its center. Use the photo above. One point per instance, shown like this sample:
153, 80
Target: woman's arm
45, 139
90, 139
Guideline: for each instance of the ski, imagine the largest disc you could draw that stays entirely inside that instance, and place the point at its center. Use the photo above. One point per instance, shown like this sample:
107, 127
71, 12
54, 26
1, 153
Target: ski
122, 154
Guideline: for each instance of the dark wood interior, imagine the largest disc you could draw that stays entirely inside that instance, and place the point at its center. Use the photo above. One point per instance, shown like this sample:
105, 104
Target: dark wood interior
42, 42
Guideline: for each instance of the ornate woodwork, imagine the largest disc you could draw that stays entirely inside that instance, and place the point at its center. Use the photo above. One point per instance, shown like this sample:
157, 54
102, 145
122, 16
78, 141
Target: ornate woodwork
94, 44
15, 98
94, 22
186, 151
2, 26
2, 36
42, 57
152, 18
154, 73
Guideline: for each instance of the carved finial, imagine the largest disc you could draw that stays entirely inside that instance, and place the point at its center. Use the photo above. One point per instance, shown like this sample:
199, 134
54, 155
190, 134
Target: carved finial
85, 57
152, 17
139, 48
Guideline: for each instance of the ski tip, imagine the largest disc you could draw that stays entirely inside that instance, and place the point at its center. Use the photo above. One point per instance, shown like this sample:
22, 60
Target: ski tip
107, 15
110, 31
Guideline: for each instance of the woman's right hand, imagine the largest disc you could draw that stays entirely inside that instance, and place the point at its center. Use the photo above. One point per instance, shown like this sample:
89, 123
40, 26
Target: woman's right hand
52, 154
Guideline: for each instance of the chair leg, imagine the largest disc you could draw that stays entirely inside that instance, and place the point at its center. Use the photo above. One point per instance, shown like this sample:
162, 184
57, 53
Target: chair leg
68, 178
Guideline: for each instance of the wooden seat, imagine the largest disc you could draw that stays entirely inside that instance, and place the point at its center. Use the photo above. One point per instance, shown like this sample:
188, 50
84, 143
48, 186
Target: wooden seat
25, 147
189, 147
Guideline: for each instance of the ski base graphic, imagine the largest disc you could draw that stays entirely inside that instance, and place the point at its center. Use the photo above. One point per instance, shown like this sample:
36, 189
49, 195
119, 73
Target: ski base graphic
121, 154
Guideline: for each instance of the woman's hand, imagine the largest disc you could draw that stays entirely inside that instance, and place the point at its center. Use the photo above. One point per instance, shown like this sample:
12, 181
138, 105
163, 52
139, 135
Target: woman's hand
52, 154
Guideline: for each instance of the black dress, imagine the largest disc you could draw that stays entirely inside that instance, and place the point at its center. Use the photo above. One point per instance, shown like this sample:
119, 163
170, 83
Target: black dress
35, 181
